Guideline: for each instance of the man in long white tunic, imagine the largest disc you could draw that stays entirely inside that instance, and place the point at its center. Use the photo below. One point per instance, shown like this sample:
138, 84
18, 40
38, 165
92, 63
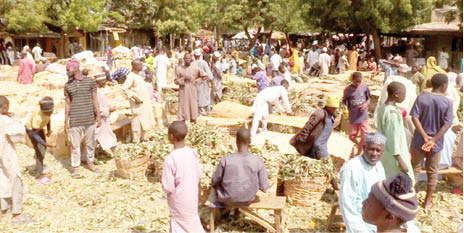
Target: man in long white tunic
324, 62
135, 90
356, 178
267, 96
161, 64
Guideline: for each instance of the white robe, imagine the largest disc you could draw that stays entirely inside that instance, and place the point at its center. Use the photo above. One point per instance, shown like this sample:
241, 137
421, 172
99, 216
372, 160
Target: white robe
161, 64
11, 132
324, 62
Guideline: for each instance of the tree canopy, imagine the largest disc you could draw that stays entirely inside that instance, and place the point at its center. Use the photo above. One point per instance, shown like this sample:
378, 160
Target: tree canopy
372, 17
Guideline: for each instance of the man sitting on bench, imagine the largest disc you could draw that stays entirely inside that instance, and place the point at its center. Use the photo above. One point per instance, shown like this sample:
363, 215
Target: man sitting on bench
239, 175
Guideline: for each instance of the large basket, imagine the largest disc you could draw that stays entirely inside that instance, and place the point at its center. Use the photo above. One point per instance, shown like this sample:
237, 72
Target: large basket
134, 168
305, 191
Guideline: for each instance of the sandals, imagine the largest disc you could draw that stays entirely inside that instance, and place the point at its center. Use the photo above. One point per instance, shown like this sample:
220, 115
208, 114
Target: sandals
46, 171
92, 167
75, 173
21, 219
44, 180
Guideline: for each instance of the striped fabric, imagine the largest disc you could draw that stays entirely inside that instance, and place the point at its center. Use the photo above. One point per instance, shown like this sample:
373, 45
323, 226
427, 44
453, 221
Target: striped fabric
81, 111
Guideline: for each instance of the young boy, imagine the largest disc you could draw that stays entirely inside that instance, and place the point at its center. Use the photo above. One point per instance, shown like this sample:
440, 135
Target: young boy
35, 125
395, 159
180, 179
11, 191
156, 101
239, 176
432, 115
357, 97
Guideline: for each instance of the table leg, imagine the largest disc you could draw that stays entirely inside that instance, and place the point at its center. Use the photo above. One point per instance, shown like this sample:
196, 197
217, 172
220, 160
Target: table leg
211, 219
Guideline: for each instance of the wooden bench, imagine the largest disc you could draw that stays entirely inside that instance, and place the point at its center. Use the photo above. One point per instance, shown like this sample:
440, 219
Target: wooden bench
277, 204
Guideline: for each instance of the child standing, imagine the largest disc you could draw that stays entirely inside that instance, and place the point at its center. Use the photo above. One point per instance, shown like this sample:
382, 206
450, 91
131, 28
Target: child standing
432, 115
35, 125
11, 191
357, 98
156, 102
180, 179
395, 159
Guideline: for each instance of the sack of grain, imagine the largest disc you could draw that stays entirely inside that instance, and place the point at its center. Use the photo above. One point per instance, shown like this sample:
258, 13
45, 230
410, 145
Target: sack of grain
227, 109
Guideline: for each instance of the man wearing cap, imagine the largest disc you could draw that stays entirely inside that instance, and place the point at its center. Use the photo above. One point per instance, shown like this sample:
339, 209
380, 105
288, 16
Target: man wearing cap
324, 63
135, 90
81, 113
161, 64
104, 134
312, 140
37, 121
203, 86
356, 178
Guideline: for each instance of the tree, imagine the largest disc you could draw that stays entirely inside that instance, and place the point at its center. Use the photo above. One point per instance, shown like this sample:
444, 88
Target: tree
369, 16
17, 19
246, 14
69, 15
137, 14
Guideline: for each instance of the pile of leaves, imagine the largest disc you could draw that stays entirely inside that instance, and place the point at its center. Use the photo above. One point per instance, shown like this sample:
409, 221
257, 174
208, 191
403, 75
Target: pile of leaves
293, 166
242, 93
304, 104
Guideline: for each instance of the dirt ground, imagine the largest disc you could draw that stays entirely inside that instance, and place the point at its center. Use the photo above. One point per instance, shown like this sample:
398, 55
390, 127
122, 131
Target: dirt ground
105, 203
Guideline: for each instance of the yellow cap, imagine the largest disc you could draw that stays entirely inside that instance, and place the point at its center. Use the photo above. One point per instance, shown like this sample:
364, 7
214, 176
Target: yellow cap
333, 101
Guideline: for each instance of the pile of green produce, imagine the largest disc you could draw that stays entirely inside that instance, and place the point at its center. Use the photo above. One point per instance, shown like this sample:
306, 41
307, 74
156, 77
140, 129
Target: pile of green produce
296, 166
243, 93
304, 104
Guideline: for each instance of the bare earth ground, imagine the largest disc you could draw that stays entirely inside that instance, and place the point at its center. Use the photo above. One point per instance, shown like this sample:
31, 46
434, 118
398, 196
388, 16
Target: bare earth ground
105, 203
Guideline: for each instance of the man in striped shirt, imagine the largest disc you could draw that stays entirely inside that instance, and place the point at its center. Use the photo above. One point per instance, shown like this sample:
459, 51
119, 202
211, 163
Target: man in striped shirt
81, 114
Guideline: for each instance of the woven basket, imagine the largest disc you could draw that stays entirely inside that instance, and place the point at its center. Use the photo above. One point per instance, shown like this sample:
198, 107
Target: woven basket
133, 168
305, 191
337, 163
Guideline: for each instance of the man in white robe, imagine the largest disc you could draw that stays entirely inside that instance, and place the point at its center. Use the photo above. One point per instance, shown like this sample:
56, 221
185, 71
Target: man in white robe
161, 64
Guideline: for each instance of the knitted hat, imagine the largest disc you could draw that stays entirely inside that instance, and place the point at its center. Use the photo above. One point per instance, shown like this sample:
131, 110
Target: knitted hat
397, 197
376, 137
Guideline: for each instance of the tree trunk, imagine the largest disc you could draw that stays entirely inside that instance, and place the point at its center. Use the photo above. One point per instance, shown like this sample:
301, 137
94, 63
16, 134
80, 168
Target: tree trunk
62, 45
376, 37
252, 40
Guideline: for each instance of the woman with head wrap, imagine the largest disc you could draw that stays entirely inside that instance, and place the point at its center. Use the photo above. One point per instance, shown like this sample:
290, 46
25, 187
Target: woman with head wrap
431, 68
391, 205
119, 74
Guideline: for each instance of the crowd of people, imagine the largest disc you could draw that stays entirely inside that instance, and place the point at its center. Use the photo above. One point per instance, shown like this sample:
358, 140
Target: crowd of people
413, 120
